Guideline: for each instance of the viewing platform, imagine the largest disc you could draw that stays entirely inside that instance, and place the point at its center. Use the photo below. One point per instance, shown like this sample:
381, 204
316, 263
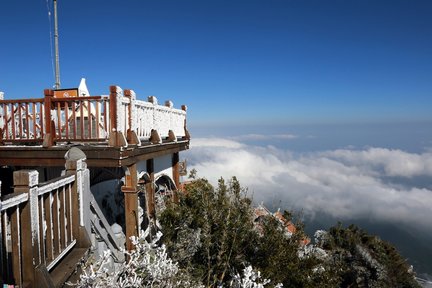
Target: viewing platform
113, 131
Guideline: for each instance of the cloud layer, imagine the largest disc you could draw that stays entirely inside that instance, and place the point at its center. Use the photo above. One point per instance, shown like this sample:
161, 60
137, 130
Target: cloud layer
376, 183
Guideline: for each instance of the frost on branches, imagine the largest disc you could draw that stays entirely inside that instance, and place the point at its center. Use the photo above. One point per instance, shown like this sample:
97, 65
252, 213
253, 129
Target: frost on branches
148, 266
250, 279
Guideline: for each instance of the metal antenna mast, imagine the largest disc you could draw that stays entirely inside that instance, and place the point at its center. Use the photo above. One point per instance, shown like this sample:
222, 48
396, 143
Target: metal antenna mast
56, 48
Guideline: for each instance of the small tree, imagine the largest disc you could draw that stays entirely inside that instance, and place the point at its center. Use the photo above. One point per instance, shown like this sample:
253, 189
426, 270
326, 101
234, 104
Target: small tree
220, 223
225, 239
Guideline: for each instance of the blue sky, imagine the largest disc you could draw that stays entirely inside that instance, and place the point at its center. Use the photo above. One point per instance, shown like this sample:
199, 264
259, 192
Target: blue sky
233, 62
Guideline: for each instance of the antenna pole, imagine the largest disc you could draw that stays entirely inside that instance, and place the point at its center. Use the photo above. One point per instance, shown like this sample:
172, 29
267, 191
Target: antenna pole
56, 48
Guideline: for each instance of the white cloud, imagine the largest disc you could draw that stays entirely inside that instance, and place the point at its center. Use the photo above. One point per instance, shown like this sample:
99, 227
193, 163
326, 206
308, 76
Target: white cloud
343, 183
393, 162
215, 143
262, 137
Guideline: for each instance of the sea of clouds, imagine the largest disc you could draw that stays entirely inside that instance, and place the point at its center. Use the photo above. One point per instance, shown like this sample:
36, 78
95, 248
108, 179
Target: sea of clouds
376, 183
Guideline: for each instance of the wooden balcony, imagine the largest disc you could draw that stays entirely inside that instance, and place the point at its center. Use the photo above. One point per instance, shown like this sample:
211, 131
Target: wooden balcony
113, 131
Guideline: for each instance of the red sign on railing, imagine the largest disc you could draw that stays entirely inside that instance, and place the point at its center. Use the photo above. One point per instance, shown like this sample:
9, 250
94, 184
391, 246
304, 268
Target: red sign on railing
66, 93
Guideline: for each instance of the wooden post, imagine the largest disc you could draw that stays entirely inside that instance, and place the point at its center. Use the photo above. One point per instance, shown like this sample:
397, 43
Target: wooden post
113, 107
26, 181
131, 204
49, 132
116, 137
77, 167
150, 193
176, 174
132, 137
187, 134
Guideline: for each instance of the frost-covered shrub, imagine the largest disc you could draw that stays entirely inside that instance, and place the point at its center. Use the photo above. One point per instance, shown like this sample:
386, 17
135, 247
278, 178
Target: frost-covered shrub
250, 279
320, 237
147, 266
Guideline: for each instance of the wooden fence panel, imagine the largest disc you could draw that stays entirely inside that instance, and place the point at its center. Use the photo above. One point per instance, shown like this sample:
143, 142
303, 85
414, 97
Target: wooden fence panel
21, 120
36, 226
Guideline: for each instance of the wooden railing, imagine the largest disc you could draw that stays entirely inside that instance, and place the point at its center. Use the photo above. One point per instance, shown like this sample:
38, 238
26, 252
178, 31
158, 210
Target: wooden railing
40, 224
22, 120
80, 119
118, 118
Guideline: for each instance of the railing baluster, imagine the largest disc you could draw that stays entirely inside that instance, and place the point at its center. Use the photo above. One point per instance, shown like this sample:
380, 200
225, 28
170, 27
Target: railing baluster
97, 119
62, 215
13, 121
106, 113
27, 119
66, 109
82, 120
41, 117
16, 245
42, 229
89, 120
59, 122
34, 105
68, 214
49, 228
55, 218
20, 124
5, 120
74, 120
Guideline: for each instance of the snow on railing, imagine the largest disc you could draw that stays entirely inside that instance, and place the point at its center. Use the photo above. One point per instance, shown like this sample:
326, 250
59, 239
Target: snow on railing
145, 121
160, 118
144, 118
118, 118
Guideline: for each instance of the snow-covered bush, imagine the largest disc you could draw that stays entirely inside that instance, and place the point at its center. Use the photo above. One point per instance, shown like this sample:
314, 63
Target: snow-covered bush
250, 279
147, 266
